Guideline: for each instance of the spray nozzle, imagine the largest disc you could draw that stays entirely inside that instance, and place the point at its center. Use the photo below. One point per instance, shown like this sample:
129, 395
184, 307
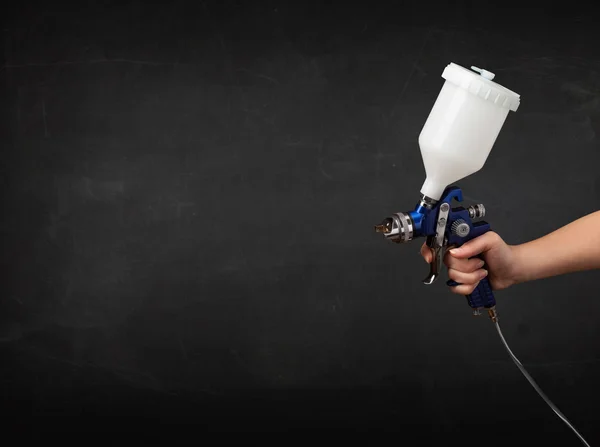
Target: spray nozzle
399, 227
385, 226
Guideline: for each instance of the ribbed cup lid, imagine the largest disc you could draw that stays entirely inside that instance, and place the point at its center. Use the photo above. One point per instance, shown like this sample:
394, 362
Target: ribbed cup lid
481, 84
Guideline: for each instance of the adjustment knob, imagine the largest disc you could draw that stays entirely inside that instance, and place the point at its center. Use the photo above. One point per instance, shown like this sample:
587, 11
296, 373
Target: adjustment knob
460, 228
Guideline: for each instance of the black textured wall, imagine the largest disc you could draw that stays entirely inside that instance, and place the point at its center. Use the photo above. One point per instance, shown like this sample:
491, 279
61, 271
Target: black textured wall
189, 192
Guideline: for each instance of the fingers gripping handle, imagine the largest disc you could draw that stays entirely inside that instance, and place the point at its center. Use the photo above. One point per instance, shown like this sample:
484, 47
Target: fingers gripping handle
481, 297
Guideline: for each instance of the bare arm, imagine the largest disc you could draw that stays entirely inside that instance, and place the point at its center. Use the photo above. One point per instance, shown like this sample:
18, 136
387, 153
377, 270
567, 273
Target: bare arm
572, 248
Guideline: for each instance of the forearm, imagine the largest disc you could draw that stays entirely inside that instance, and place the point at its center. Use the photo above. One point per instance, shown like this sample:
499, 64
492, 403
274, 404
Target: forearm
572, 248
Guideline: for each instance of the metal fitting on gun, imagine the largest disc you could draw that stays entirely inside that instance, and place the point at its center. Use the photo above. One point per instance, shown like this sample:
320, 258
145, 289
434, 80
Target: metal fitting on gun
397, 228
427, 202
493, 315
477, 211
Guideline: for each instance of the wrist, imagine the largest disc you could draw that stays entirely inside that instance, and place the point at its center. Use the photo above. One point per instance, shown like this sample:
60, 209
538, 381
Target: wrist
519, 272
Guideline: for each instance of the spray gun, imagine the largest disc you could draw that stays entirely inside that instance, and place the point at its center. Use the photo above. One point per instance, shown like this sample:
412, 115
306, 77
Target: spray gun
455, 142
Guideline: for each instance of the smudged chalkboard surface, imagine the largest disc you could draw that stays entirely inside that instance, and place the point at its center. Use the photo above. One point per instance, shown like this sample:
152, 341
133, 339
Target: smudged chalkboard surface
189, 191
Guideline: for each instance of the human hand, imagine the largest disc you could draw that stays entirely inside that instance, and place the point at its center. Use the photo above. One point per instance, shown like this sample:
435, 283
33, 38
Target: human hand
467, 269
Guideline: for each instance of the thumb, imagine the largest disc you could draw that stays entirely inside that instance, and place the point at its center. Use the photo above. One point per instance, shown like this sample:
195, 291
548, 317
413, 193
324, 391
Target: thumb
476, 246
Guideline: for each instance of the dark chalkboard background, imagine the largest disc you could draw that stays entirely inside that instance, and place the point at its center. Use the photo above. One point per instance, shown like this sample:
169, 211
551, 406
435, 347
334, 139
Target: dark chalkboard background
189, 191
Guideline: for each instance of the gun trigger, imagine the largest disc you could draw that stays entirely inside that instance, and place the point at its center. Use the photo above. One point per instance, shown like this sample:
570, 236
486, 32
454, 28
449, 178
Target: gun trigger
437, 244
435, 267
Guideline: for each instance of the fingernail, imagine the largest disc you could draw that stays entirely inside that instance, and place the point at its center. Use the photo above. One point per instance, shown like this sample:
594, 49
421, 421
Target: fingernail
484, 274
455, 250
481, 263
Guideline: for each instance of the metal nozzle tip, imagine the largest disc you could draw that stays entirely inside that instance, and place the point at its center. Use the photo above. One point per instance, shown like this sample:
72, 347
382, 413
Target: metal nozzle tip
385, 226
380, 228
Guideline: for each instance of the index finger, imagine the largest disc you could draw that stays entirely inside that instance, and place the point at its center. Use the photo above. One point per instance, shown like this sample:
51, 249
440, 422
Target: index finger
426, 253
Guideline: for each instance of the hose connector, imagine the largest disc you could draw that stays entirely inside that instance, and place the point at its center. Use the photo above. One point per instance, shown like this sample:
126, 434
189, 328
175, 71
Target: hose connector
493, 314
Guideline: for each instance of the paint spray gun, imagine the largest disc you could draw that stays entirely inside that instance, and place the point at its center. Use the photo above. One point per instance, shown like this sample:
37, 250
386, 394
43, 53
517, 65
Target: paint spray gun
455, 142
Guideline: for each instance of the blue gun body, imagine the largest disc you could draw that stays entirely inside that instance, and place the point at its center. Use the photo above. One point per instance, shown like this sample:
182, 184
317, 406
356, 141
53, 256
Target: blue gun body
425, 222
